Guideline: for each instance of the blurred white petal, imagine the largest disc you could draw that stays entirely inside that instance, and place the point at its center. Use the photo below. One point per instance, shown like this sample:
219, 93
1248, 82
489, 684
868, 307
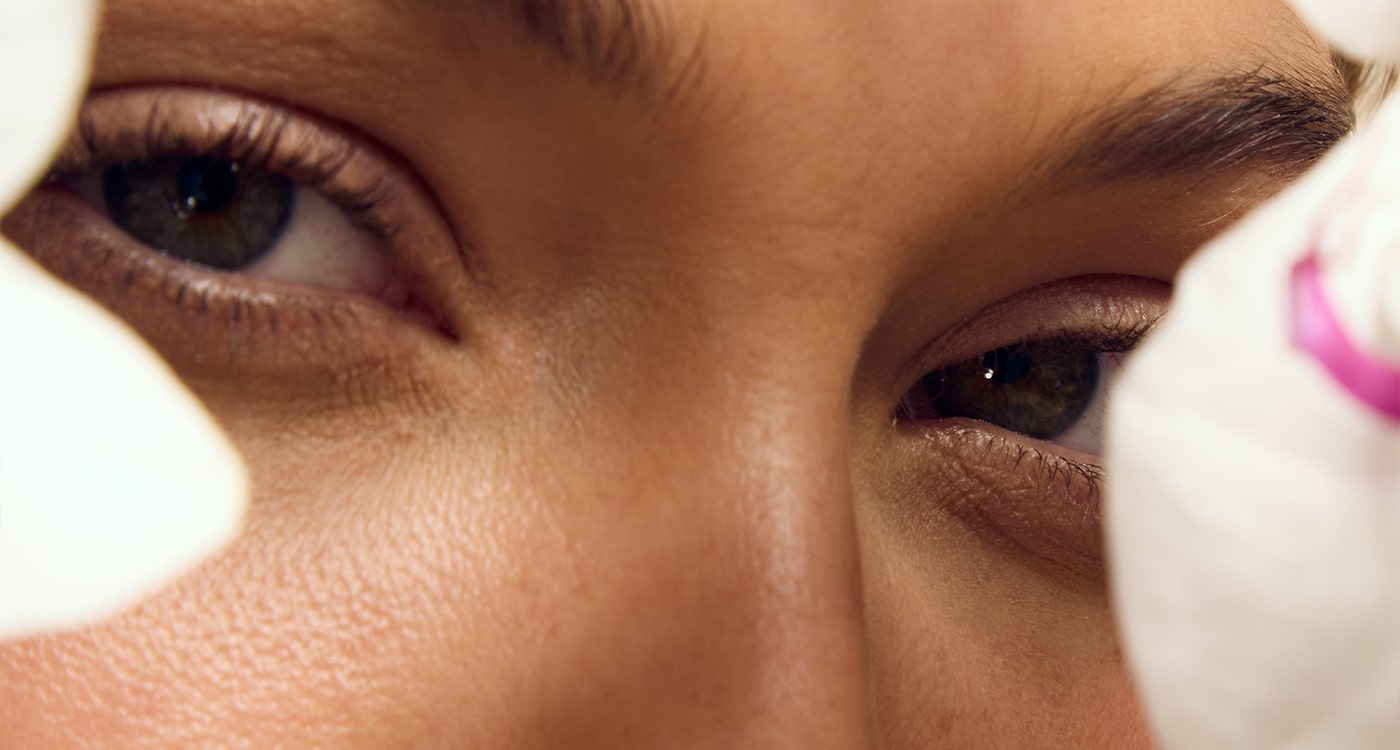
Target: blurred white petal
1254, 507
45, 50
113, 478
1364, 29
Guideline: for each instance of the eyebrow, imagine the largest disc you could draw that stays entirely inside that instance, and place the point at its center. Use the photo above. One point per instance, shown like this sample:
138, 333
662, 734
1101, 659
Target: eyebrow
1268, 120
621, 44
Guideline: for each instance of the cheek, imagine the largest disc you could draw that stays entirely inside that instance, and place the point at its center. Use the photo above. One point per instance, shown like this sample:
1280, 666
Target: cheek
958, 622
342, 617
445, 590
378, 580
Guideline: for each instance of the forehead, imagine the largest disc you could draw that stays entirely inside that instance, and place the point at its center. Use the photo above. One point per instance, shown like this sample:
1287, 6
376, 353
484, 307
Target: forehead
858, 53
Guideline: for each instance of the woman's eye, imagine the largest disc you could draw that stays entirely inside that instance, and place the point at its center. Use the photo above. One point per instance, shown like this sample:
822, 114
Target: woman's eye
230, 216
244, 236
1048, 390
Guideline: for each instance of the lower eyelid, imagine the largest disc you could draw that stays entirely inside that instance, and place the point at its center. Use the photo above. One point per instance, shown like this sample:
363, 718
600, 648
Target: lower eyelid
206, 324
1031, 502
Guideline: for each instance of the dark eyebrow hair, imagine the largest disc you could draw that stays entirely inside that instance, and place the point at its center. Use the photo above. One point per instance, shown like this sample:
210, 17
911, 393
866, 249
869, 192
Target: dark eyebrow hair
1265, 119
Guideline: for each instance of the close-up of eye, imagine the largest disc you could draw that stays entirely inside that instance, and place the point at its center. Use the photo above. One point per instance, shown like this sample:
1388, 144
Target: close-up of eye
256, 215
1003, 427
1052, 389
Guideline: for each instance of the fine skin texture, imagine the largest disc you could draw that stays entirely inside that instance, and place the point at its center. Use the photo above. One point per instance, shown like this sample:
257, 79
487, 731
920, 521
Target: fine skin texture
614, 455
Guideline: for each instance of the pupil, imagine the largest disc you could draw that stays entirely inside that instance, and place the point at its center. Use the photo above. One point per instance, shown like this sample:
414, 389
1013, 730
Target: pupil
206, 186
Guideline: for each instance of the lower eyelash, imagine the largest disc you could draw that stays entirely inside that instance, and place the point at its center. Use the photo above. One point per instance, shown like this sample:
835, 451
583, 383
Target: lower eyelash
121, 280
1018, 497
1053, 470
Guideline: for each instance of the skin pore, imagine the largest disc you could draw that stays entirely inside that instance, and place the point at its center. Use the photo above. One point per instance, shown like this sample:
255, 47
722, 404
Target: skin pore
617, 447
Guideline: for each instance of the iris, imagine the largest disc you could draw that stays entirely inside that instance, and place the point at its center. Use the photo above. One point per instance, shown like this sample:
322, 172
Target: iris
202, 210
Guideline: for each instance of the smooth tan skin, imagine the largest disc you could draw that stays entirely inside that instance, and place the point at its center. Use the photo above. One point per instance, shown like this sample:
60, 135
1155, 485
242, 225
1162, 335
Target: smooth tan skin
655, 496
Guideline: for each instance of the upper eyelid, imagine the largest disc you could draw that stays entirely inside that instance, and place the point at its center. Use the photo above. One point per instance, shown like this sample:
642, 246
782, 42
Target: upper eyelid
1103, 306
136, 125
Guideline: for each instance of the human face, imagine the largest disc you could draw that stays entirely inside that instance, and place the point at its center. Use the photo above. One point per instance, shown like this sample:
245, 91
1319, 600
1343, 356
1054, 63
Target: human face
607, 422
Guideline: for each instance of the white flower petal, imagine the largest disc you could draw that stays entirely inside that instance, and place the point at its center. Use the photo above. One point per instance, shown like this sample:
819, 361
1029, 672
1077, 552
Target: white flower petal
45, 50
113, 478
1254, 510
1365, 29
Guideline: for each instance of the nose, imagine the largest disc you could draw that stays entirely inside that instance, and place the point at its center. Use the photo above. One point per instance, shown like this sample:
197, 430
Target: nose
715, 542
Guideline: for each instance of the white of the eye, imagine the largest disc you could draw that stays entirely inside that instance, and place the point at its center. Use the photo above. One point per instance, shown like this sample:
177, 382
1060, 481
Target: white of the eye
1087, 435
321, 247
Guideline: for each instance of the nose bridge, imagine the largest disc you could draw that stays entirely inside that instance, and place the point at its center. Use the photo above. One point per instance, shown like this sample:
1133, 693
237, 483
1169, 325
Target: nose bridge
745, 460
699, 443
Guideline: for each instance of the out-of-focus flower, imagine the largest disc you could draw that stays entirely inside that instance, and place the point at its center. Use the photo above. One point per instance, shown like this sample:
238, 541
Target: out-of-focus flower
113, 477
1364, 29
1254, 491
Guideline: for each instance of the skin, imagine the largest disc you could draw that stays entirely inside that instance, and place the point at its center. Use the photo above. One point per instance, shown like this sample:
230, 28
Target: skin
652, 495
